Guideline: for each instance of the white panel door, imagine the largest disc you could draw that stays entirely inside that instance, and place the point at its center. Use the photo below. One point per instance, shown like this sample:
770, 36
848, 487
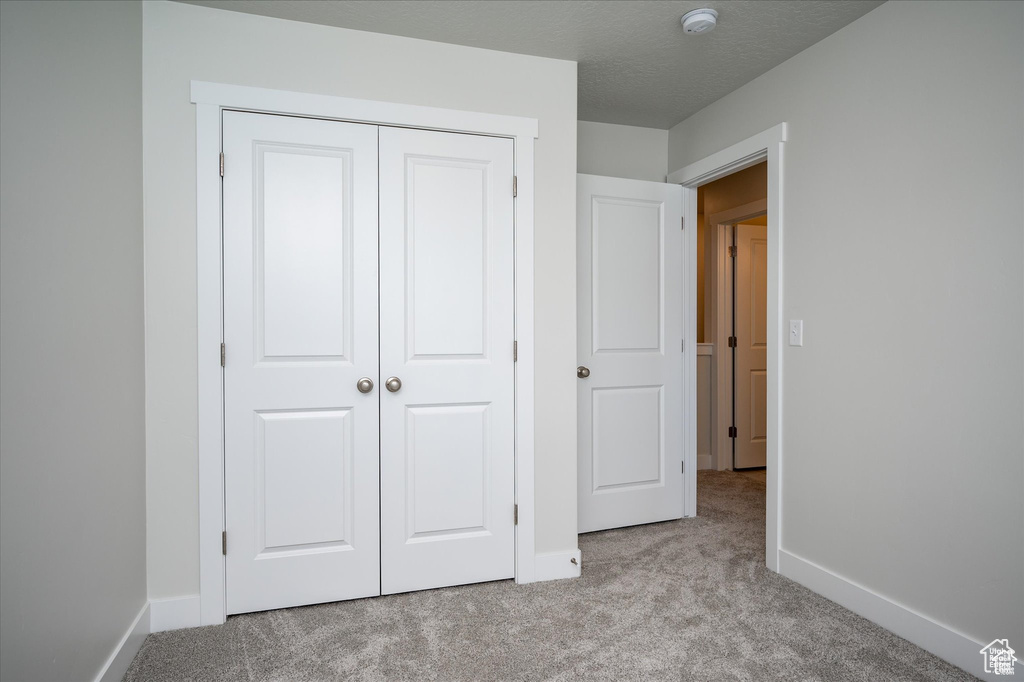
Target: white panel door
300, 330
629, 265
447, 328
751, 375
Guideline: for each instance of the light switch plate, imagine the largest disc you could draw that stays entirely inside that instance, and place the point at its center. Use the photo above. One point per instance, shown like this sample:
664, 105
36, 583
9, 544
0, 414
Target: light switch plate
796, 332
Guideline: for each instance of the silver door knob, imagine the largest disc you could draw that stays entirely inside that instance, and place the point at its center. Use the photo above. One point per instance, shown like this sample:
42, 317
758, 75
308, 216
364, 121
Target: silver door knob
393, 384
365, 385
582, 372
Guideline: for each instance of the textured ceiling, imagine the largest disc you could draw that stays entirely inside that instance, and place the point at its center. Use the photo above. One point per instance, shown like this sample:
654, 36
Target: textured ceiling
636, 66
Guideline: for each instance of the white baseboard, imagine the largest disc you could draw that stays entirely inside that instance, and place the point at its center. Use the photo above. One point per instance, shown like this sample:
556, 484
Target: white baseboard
705, 461
174, 614
123, 654
941, 640
558, 565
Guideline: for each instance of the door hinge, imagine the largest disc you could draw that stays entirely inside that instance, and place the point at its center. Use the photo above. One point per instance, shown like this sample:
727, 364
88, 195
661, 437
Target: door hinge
222, 164
515, 186
732, 432
224, 543
223, 354
732, 342
515, 515
732, 252
515, 351
682, 223
682, 345
683, 467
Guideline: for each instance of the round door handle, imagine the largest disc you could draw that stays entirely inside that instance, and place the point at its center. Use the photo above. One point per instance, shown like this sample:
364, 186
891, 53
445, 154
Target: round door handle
393, 384
582, 372
365, 385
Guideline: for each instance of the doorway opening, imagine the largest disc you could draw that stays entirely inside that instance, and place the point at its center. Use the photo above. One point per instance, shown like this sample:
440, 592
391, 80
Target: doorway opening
765, 147
732, 334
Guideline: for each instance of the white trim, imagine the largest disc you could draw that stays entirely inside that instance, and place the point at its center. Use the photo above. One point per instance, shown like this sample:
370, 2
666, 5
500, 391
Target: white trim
359, 110
526, 550
124, 653
941, 640
175, 613
210, 100
745, 154
691, 349
705, 460
213, 604
765, 145
559, 565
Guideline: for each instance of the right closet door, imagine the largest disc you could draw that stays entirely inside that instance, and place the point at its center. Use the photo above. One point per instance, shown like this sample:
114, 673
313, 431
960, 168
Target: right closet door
446, 359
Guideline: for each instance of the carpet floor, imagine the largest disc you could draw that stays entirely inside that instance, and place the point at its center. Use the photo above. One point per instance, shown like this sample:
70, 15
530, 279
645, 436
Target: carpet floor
682, 600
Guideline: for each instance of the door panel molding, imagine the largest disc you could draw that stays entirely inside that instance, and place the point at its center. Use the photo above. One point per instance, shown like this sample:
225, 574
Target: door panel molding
211, 101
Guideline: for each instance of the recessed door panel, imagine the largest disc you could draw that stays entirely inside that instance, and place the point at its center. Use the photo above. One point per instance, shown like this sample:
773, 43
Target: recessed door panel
630, 401
446, 239
626, 286
300, 329
448, 462
304, 307
627, 449
758, 411
304, 480
447, 328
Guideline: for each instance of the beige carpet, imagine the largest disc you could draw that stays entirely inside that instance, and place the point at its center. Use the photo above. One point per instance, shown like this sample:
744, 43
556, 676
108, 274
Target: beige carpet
684, 600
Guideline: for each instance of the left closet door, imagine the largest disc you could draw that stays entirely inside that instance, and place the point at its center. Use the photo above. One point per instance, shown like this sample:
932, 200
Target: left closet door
301, 331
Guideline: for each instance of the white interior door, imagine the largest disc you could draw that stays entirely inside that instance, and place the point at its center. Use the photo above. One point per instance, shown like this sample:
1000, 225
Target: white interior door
447, 331
751, 375
629, 263
300, 329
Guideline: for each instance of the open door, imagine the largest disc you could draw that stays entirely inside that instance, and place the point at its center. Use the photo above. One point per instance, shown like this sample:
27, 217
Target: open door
750, 301
630, 271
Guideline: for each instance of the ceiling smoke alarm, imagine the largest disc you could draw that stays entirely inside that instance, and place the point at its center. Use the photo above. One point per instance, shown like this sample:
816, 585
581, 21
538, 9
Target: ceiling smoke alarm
699, 21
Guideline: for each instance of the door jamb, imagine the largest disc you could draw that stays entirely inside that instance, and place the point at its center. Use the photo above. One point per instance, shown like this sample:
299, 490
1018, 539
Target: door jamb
211, 99
720, 274
767, 145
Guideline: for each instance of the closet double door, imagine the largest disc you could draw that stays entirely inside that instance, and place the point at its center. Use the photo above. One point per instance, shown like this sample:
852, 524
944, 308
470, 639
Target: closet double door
368, 366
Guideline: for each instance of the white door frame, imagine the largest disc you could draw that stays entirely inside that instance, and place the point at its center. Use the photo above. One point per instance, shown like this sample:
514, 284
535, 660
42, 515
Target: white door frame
767, 145
720, 275
211, 99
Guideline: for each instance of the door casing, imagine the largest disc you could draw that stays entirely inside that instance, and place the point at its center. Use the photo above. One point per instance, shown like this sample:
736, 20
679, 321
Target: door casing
211, 99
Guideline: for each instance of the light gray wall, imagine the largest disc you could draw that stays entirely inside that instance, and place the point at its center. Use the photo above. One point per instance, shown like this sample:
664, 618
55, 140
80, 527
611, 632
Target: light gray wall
622, 151
72, 462
183, 42
903, 436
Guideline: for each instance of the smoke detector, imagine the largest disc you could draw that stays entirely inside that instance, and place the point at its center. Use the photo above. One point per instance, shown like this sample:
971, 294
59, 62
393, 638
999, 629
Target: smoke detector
699, 21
